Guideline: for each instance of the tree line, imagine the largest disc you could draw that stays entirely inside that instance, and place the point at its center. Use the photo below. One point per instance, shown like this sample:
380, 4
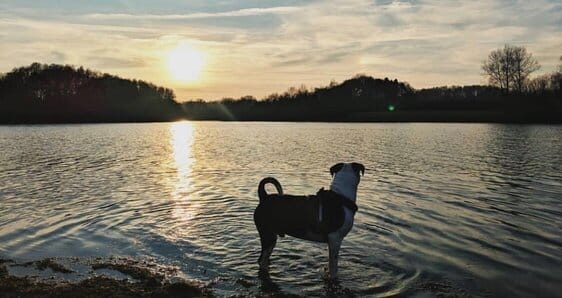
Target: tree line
336, 102
42, 93
512, 96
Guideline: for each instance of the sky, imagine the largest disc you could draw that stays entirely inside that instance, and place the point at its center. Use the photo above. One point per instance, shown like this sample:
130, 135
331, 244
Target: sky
256, 47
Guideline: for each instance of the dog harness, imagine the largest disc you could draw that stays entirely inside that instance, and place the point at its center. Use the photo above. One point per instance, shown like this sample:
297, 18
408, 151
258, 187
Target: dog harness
322, 213
330, 213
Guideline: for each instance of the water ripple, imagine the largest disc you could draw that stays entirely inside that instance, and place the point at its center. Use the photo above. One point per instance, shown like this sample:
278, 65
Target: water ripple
443, 209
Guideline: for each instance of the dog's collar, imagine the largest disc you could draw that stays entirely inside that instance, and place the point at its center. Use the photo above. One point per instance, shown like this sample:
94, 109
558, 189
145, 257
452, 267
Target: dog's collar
345, 201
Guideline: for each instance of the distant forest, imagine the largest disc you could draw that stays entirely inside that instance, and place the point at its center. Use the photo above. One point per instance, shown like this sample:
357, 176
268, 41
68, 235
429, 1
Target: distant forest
52, 93
42, 93
513, 96
366, 99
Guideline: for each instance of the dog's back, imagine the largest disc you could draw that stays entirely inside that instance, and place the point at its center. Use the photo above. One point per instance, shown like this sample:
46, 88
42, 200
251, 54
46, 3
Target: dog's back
285, 214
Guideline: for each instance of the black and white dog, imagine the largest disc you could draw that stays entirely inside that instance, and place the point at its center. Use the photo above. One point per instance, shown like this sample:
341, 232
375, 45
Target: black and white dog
325, 217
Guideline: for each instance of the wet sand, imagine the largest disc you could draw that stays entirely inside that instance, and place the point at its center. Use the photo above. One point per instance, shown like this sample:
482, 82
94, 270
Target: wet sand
113, 277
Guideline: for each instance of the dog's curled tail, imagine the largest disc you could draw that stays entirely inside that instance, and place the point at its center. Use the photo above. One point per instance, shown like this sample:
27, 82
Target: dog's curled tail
261, 188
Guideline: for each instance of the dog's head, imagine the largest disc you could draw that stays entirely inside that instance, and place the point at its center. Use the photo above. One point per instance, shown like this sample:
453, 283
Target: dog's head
346, 178
353, 167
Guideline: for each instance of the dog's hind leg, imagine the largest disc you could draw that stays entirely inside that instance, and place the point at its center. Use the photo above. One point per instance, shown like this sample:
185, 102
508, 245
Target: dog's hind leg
334, 244
268, 241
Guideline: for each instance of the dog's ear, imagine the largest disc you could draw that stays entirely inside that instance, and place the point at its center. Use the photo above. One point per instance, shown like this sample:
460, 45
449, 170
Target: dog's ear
357, 167
336, 168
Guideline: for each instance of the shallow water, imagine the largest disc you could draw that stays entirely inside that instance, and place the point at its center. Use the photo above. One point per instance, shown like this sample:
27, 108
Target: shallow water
465, 209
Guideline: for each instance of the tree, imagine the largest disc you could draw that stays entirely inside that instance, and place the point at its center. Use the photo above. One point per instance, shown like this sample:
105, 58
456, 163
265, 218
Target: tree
540, 84
524, 65
498, 68
510, 67
557, 78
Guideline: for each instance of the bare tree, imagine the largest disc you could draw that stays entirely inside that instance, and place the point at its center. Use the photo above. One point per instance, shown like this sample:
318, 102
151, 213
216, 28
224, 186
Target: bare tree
540, 84
524, 65
509, 67
497, 67
557, 77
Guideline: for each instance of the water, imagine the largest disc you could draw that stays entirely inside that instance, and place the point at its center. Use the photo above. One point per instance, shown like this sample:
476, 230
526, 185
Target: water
462, 209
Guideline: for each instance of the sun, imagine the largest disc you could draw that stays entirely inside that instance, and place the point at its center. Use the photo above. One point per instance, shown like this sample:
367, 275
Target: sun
186, 63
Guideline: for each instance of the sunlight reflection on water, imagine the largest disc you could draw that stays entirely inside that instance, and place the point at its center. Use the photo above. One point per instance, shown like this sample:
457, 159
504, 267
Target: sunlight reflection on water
181, 138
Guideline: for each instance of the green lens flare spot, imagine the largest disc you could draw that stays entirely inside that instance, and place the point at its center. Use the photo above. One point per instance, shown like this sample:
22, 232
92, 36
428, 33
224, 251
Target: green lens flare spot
391, 108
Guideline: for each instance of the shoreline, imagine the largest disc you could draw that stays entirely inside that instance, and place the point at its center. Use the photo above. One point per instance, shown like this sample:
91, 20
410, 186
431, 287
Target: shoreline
98, 277
435, 116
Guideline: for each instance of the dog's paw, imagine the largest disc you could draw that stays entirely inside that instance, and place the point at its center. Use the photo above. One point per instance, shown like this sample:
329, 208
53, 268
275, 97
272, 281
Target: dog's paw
327, 277
325, 273
263, 274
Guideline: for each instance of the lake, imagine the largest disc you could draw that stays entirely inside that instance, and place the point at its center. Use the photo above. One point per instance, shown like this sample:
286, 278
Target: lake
444, 209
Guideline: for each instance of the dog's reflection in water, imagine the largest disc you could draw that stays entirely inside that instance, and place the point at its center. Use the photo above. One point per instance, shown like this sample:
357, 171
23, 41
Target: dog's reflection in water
332, 288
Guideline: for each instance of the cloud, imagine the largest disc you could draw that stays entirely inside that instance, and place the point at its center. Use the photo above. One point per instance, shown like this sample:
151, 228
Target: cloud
200, 15
290, 62
425, 42
115, 62
58, 57
257, 47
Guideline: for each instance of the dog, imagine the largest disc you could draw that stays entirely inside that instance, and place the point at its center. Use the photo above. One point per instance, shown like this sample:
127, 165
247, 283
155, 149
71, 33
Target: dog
326, 217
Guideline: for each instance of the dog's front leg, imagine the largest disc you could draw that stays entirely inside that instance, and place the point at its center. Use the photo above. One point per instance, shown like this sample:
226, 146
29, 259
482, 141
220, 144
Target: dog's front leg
334, 243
